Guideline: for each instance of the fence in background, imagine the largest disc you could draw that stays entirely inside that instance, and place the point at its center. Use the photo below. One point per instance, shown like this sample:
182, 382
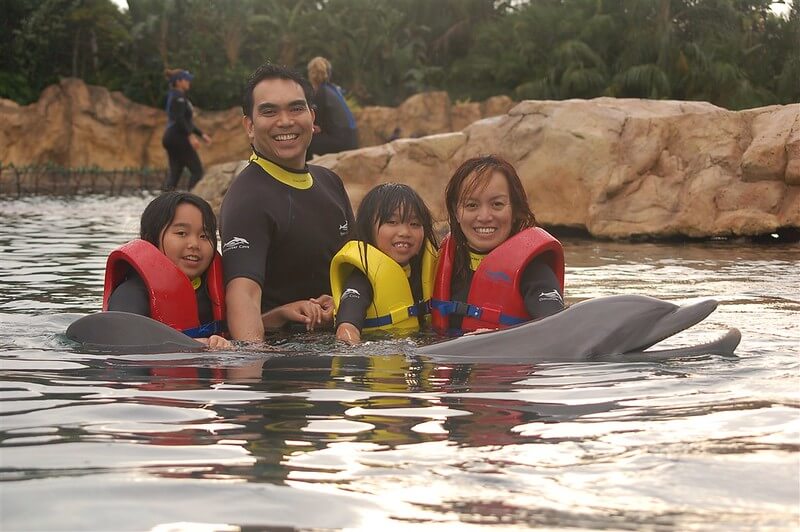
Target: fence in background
53, 179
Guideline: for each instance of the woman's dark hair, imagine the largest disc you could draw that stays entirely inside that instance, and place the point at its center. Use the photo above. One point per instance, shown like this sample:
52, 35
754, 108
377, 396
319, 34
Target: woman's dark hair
160, 212
474, 174
381, 203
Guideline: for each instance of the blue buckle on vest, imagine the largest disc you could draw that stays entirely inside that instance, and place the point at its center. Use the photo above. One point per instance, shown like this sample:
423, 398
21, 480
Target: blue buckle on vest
420, 309
206, 330
459, 308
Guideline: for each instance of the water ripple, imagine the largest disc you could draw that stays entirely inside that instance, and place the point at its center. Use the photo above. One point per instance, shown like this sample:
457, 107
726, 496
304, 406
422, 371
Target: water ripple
375, 437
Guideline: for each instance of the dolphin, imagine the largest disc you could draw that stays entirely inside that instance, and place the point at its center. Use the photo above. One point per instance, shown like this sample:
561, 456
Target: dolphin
126, 333
614, 328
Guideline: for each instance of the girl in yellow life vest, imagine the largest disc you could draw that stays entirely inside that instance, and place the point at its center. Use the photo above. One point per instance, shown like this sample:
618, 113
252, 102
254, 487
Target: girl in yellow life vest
383, 280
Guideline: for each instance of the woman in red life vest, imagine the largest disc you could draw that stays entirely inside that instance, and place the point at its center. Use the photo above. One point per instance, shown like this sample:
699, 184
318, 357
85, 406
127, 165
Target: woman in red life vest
173, 273
496, 268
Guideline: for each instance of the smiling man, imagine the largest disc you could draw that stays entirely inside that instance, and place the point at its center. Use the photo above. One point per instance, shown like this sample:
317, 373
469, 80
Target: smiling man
281, 220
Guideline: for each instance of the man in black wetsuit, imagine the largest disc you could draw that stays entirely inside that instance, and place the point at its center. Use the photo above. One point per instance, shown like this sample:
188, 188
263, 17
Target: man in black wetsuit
281, 220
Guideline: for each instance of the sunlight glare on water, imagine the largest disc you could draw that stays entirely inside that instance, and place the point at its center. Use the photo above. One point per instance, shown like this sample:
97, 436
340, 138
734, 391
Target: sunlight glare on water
312, 435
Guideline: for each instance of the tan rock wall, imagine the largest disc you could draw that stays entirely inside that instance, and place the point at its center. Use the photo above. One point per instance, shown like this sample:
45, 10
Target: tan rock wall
617, 168
79, 125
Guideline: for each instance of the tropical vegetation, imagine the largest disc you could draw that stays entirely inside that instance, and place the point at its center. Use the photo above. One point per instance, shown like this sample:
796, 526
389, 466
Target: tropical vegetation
733, 53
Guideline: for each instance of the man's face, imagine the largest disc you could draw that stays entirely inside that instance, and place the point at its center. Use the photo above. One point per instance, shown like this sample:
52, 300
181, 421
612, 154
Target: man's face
282, 122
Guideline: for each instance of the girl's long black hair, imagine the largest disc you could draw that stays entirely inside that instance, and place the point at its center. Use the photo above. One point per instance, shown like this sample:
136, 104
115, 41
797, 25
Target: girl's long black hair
160, 212
380, 204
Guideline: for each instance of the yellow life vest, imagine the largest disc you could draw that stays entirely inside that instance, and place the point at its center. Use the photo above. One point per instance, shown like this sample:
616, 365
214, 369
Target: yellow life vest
393, 306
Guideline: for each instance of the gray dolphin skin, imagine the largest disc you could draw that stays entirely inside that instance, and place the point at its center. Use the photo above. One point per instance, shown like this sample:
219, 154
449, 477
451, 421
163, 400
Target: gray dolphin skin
126, 333
614, 328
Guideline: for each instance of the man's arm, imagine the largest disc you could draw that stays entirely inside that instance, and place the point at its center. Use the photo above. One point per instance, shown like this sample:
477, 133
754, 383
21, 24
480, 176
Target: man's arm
243, 301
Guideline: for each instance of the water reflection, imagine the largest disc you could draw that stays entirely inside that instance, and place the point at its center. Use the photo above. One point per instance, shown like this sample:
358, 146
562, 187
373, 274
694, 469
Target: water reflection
274, 408
310, 434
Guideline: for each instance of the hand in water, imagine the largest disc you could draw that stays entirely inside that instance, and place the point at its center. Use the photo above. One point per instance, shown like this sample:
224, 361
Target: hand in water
348, 333
325, 302
479, 331
307, 312
215, 342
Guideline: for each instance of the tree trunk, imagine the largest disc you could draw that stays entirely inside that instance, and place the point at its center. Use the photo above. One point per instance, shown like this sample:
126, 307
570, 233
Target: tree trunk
162, 41
664, 30
93, 48
76, 45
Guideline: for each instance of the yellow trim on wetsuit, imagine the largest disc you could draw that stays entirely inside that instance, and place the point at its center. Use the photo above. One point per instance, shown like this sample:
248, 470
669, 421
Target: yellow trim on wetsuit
391, 289
475, 260
300, 181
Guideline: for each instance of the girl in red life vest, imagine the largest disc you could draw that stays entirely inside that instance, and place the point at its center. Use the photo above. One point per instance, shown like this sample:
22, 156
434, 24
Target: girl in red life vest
496, 268
173, 273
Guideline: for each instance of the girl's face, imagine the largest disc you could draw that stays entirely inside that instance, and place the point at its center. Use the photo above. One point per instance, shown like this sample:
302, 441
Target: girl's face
486, 217
400, 239
185, 242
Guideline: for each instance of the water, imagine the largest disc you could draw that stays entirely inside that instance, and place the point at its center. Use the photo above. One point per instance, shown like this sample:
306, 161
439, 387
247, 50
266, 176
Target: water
314, 436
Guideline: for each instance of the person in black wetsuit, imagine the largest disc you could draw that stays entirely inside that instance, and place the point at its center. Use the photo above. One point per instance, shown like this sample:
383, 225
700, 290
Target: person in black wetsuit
334, 125
181, 136
281, 219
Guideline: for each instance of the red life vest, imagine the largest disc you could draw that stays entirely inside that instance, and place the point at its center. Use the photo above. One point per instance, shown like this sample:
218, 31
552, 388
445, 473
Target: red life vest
172, 298
494, 299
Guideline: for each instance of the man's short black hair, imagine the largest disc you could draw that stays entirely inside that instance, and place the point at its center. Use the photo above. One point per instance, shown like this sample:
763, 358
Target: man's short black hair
272, 71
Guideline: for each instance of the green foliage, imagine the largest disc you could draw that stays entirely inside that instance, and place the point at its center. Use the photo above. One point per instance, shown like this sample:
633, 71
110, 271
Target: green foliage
15, 87
734, 53
642, 81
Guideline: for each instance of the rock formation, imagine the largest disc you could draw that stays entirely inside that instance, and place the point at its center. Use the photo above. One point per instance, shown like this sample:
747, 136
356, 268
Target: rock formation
423, 114
77, 125
617, 168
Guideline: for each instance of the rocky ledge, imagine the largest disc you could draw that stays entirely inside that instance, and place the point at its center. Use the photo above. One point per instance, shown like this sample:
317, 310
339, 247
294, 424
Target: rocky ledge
615, 168
75, 125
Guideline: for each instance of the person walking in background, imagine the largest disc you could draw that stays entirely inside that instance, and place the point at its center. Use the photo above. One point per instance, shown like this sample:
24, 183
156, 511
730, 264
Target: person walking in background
335, 127
181, 138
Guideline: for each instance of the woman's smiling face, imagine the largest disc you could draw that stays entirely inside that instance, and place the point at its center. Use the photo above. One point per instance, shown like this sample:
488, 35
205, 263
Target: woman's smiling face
485, 215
